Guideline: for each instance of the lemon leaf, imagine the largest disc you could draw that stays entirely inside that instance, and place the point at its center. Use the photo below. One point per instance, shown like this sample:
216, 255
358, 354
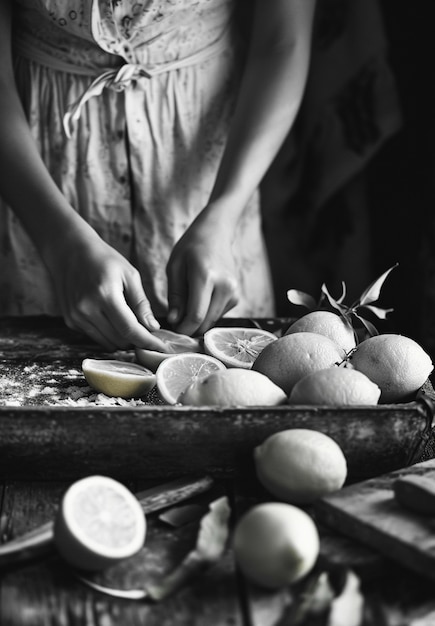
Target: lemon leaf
381, 313
300, 298
336, 304
371, 328
373, 291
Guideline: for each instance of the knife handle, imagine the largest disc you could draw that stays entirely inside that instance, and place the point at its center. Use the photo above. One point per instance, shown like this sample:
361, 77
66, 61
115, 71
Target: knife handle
37, 542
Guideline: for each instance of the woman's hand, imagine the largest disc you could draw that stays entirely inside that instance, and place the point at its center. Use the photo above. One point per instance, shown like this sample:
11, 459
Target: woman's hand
101, 294
202, 283
201, 272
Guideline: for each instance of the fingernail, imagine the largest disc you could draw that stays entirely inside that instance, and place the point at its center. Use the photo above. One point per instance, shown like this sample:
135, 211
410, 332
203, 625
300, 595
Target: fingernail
153, 323
173, 316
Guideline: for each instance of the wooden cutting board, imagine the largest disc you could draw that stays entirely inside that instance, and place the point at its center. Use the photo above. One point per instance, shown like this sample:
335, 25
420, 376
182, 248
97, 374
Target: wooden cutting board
368, 511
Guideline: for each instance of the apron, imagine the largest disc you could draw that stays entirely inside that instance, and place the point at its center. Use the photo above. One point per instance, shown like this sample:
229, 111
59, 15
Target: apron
130, 105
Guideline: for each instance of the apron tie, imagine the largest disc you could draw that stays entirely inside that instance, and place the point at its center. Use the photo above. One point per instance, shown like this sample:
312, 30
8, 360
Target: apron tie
117, 79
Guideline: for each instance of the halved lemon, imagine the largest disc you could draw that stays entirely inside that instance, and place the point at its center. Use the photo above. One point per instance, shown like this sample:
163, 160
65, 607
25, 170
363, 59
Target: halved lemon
175, 343
176, 374
99, 523
236, 347
118, 378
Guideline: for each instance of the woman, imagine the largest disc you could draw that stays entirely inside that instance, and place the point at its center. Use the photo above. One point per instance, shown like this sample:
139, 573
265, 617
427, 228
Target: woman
132, 148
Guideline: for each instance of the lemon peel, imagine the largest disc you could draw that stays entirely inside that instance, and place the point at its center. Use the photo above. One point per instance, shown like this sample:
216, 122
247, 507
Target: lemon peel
396, 363
234, 387
335, 386
275, 544
290, 358
329, 324
300, 465
119, 379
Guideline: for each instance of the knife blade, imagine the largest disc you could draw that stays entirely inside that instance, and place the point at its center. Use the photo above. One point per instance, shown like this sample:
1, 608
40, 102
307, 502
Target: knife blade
39, 541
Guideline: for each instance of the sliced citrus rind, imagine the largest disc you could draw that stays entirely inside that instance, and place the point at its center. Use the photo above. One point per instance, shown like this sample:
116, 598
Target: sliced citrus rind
236, 347
175, 343
99, 523
119, 379
151, 359
175, 374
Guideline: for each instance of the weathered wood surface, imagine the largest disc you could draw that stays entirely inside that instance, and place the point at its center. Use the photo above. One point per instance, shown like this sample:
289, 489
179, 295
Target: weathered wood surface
166, 442
369, 512
53, 427
44, 591
39, 541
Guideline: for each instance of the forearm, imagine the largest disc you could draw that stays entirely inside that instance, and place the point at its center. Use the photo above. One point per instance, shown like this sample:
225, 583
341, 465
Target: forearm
25, 183
269, 98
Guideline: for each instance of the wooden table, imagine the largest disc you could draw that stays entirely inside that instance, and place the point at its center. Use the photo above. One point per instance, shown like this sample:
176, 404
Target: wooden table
44, 591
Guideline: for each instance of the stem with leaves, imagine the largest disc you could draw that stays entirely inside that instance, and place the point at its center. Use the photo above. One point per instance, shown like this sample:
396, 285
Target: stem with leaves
354, 312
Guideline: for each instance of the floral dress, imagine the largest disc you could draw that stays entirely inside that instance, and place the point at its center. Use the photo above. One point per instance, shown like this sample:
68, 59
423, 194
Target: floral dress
130, 104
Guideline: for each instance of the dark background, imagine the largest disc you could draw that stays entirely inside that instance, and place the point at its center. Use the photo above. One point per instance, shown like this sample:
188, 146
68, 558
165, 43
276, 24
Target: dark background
401, 186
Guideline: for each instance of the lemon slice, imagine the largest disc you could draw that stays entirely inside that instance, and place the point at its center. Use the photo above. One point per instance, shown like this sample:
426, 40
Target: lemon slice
119, 379
99, 523
236, 347
176, 374
175, 343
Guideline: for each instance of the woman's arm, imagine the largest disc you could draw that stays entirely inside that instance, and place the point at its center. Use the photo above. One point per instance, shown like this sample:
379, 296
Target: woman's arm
269, 98
99, 292
201, 273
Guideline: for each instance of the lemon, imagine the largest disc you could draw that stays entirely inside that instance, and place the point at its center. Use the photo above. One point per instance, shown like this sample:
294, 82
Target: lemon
326, 323
335, 386
236, 347
234, 387
119, 379
175, 343
290, 358
176, 374
275, 544
397, 364
300, 465
98, 524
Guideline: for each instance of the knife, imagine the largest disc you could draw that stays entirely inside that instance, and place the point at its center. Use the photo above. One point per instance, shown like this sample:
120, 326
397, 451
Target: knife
40, 541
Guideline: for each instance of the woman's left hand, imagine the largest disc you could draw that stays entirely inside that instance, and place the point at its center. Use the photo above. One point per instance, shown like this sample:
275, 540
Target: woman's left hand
202, 283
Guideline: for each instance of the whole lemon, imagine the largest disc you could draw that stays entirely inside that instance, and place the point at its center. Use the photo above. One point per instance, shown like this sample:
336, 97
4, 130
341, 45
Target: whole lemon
290, 358
326, 323
300, 465
397, 364
234, 387
335, 386
275, 544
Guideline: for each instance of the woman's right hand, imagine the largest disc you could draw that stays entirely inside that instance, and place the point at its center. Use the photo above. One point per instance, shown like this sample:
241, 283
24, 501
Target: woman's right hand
101, 294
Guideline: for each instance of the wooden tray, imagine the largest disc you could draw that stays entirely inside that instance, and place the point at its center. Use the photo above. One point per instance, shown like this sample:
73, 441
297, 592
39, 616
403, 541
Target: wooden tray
45, 434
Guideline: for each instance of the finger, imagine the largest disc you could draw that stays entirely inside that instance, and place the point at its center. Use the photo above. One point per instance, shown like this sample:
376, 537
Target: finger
139, 303
177, 292
88, 316
122, 317
198, 304
220, 304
